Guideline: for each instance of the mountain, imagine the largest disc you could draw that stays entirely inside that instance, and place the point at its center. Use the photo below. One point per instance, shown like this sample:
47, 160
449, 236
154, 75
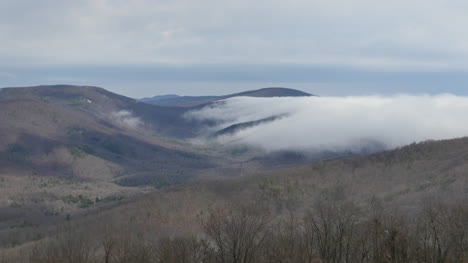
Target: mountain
154, 123
64, 129
193, 101
86, 173
71, 145
160, 97
100, 103
270, 92
188, 103
35, 134
64, 147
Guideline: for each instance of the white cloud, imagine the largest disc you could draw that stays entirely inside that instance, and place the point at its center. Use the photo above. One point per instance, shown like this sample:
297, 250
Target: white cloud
387, 35
341, 123
125, 119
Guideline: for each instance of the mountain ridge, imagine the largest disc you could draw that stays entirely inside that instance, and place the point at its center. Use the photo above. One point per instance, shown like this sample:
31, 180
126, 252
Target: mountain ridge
194, 101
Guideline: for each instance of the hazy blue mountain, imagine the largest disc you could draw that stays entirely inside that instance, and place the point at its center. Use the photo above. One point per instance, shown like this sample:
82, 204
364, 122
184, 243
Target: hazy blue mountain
193, 101
160, 97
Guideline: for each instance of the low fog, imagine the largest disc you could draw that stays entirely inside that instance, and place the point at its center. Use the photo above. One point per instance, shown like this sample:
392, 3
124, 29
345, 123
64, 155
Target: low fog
338, 123
125, 119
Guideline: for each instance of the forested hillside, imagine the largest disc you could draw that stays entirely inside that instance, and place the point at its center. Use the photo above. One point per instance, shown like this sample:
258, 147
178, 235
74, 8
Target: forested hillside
406, 205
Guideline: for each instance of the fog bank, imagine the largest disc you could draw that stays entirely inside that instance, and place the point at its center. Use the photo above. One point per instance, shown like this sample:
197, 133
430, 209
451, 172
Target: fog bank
339, 123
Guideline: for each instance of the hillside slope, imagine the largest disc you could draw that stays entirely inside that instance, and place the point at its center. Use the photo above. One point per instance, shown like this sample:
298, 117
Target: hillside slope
32, 128
63, 148
402, 182
103, 104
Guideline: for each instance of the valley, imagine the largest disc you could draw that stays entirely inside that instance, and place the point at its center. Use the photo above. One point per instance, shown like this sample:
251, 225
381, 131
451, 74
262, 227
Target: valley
81, 165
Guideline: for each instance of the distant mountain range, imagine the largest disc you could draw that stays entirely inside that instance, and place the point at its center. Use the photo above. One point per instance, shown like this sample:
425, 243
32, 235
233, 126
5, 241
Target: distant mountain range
192, 101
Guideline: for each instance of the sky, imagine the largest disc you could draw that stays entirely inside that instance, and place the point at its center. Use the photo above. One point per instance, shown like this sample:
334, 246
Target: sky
150, 47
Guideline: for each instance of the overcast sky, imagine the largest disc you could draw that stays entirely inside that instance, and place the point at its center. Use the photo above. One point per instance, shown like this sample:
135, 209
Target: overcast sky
149, 47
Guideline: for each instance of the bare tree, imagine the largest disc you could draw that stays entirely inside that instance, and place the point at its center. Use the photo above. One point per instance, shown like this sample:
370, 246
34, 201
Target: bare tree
71, 246
331, 228
108, 244
183, 250
3, 258
237, 234
288, 242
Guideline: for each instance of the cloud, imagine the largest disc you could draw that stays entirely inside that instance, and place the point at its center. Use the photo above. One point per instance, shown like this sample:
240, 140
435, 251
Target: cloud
333, 47
340, 123
125, 119
391, 35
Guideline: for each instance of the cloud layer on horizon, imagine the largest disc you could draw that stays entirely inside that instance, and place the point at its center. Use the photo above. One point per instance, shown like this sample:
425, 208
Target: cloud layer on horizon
144, 48
391, 35
340, 123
